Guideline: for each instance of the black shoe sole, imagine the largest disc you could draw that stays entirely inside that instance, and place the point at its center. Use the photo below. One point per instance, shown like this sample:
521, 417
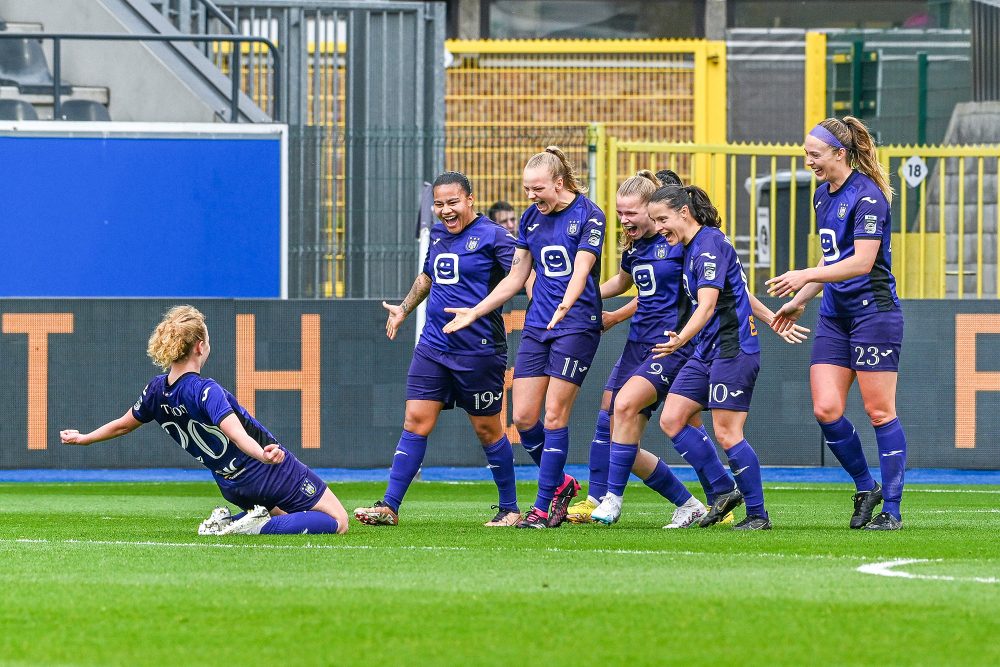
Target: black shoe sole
866, 517
716, 513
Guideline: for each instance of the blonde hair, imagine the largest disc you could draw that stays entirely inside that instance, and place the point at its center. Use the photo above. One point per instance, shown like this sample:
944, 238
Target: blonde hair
181, 328
642, 185
861, 152
558, 166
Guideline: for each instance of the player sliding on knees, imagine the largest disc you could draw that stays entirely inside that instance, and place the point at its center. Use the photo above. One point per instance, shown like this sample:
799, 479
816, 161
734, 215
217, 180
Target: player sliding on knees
277, 493
468, 255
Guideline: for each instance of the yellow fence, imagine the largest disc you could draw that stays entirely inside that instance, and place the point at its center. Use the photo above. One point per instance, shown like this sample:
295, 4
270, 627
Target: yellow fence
764, 193
508, 99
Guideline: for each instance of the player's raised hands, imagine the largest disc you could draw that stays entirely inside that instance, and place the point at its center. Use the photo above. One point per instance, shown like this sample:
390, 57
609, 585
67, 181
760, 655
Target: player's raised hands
70, 436
395, 319
794, 333
273, 454
786, 317
787, 284
463, 318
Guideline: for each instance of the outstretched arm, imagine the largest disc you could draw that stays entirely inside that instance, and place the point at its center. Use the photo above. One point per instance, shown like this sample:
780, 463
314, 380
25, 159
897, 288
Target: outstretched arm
113, 429
238, 435
582, 264
708, 297
418, 292
792, 334
520, 269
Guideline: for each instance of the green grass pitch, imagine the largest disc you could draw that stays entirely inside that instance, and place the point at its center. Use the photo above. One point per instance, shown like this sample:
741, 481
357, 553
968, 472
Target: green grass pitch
114, 574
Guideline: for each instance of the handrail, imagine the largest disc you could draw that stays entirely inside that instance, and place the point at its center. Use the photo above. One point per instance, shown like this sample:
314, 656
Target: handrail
214, 10
234, 70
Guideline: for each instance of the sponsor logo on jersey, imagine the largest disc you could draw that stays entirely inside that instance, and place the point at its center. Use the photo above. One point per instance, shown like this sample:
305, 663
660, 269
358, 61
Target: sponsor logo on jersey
661, 251
709, 270
574, 228
531, 228
707, 254
308, 488
472, 243
596, 222
869, 200
595, 238
870, 227
842, 210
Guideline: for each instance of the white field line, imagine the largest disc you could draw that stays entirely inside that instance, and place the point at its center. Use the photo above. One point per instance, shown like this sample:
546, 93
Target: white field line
887, 569
908, 489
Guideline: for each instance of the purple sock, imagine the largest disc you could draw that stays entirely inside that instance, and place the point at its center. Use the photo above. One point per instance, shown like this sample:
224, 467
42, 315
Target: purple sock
500, 461
312, 522
665, 482
550, 473
698, 450
705, 484
405, 464
892, 462
843, 441
746, 469
600, 456
620, 467
533, 440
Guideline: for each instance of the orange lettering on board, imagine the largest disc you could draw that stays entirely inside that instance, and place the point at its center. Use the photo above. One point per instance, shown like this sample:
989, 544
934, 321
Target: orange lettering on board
38, 326
969, 381
306, 380
512, 321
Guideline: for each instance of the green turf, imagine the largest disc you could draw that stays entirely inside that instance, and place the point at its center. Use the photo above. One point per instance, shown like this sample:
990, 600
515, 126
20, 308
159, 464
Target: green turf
106, 574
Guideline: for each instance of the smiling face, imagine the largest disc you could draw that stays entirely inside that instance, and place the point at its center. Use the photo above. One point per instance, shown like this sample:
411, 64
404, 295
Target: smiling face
507, 220
829, 164
453, 207
676, 226
634, 216
541, 189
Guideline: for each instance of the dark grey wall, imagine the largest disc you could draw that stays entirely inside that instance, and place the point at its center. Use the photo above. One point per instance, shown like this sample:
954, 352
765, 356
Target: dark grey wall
96, 372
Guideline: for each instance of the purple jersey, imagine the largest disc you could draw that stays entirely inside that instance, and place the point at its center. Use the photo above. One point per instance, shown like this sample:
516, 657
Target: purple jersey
554, 239
464, 268
858, 210
710, 261
190, 411
656, 268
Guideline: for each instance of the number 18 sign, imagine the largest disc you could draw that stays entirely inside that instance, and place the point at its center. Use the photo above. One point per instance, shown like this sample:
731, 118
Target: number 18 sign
914, 171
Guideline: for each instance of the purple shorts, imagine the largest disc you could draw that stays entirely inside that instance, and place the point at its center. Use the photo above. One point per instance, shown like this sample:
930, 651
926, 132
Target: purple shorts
473, 382
863, 343
290, 485
563, 355
724, 384
637, 361
610, 384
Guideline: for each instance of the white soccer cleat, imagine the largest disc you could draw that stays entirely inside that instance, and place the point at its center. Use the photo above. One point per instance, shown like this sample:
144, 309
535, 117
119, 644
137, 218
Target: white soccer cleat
609, 511
249, 524
216, 521
687, 514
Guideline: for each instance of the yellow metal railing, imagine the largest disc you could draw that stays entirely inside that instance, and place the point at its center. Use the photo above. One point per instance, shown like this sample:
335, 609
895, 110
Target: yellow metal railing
764, 193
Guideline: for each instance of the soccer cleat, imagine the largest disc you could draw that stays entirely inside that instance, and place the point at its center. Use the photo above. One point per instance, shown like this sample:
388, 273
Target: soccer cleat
534, 519
865, 503
565, 492
688, 514
723, 505
754, 522
884, 521
504, 517
250, 523
379, 514
609, 511
216, 521
581, 511
727, 520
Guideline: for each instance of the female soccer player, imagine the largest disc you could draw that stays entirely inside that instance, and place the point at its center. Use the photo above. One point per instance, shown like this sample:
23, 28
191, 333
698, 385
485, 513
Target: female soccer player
638, 384
562, 234
860, 328
468, 255
277, 492
722, 371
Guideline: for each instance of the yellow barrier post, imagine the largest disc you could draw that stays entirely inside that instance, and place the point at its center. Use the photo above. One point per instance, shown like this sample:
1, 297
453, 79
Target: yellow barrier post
815, 92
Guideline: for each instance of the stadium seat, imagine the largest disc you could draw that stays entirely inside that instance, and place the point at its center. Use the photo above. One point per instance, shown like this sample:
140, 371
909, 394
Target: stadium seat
84, 110
22, 62
17, 110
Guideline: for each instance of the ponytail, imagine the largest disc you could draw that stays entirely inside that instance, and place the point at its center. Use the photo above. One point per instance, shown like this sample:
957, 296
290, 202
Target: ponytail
699, 205
558, 166
861, 152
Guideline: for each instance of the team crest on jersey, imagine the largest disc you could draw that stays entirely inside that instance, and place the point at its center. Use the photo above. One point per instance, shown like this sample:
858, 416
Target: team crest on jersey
595, 238
661, 251
574, 228
472, 243
842, 210
308, 488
